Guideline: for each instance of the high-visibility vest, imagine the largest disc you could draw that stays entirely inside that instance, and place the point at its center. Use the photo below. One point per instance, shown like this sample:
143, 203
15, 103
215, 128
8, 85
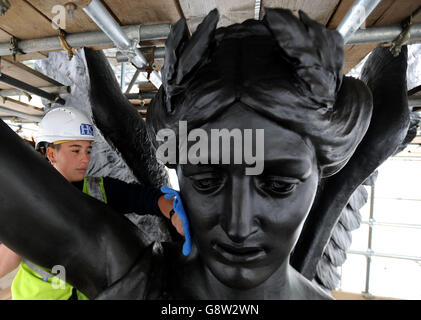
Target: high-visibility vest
33, 282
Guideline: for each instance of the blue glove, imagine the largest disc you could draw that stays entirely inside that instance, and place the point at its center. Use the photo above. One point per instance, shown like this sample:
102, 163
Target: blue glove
179, 209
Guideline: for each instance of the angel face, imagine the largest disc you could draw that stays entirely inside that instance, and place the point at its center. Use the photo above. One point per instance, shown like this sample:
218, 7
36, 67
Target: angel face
245, 226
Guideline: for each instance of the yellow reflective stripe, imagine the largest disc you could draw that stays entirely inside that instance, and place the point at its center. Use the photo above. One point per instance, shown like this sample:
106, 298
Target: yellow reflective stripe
101, 185
85, 186
40, 271
28, 285
99, 182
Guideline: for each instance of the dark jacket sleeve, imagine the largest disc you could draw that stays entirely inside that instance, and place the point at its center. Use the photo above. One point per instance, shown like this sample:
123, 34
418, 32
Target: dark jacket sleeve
131, 197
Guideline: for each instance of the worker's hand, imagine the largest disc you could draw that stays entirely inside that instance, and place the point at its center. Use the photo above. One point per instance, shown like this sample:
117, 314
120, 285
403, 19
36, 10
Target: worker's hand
180, 214
167, 208
177, 222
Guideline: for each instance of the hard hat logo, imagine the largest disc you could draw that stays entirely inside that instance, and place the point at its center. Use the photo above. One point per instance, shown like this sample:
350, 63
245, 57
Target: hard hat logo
86, 130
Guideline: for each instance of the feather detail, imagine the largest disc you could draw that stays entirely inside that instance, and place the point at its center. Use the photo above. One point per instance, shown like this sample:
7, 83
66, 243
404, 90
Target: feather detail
314, 51
195, 49
173, 47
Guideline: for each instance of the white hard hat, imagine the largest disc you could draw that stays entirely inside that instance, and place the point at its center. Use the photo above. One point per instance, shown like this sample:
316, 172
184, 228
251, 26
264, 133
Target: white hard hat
64, 123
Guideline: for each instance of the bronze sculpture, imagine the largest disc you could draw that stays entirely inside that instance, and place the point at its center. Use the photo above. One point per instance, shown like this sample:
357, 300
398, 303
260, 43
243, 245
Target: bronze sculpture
282, 74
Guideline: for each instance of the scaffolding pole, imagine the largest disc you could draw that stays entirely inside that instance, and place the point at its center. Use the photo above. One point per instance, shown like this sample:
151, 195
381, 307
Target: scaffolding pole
20, 114
100, 15
355, 17
87, 39
383, 34
18, 92
414, 102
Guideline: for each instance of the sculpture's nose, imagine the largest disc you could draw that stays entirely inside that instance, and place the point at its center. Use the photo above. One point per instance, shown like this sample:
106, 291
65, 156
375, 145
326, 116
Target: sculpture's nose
239, 221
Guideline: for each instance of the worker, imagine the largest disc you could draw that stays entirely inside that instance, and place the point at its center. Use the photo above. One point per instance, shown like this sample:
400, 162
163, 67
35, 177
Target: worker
65, 137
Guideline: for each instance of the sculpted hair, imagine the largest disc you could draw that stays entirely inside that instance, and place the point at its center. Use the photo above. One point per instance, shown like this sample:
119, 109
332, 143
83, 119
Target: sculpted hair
284, 68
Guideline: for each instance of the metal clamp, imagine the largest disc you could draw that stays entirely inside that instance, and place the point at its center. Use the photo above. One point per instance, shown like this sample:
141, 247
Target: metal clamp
65, 45
4, 6
128, 52
26, 94
402, 38
14, 47
149, 54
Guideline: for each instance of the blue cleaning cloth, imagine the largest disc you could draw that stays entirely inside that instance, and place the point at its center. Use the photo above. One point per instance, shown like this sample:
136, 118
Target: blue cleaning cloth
179, 209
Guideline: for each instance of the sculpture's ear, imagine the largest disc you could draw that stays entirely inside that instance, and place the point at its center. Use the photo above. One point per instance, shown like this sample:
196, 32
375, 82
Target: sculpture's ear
315, 53
183, 55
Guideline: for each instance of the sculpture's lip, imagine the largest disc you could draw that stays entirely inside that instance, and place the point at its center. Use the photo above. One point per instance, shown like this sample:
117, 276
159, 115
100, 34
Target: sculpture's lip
239, 253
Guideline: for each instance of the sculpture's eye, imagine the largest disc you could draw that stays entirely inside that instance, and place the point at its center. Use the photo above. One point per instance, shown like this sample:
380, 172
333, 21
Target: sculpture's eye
207, 182
278, 186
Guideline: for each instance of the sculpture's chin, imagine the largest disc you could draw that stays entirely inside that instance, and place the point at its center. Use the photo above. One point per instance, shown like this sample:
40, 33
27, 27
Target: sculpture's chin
238, 276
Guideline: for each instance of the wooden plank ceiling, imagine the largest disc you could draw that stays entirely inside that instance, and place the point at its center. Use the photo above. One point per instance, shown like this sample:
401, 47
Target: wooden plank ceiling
319, 10
32, 19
